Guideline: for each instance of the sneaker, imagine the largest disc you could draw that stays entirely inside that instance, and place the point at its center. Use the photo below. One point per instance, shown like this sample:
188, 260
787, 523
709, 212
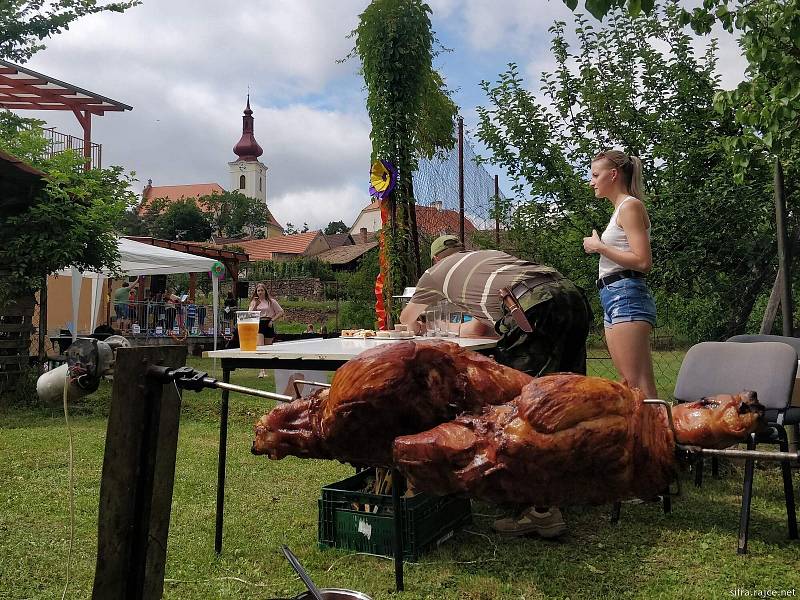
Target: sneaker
548, 524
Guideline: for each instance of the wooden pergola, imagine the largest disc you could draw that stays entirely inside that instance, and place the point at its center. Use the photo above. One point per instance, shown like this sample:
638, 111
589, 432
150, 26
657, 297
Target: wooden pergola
23, 89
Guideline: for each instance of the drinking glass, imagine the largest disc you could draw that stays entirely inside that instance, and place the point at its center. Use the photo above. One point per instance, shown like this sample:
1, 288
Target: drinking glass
432, 325
247, 324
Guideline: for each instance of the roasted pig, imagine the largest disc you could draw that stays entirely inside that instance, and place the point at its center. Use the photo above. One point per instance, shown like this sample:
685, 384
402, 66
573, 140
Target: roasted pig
394, 390
568, 439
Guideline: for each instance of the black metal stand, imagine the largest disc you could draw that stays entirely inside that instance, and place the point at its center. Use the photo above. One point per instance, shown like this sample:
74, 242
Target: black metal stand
223, 453
397, 484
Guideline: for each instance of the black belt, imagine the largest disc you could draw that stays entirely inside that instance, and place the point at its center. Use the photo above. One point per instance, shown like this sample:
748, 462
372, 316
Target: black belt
614, 277
523, 287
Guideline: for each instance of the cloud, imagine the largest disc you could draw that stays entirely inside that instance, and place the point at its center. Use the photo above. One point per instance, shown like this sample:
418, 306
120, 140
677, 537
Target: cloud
318, 207
185, 67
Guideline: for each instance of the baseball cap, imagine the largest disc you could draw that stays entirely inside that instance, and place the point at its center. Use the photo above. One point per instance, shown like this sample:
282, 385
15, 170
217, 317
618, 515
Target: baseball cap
443, 242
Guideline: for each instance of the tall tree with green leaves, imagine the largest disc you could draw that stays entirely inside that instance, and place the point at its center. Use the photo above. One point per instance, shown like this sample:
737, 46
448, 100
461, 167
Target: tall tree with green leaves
712, 237
411, 112
25, 24
70, 222
232, 214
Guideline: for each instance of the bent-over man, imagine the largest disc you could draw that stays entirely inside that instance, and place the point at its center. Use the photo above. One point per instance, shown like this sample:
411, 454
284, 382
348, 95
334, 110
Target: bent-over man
556, 309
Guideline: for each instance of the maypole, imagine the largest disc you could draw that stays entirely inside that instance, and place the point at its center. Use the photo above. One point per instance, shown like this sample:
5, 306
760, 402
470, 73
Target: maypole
412, 115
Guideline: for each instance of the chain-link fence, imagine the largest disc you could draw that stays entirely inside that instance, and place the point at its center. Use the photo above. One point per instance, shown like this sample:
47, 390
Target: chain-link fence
714, 251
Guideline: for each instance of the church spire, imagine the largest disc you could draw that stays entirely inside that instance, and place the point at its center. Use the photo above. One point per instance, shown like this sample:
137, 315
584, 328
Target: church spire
247, 147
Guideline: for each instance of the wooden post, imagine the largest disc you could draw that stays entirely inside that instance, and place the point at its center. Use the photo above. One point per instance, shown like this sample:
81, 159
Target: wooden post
784, 252
138, 476
461, 179
192, 286
773, 303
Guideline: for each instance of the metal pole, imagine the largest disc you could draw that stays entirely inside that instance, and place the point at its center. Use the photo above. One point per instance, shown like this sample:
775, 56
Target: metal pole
223, 449
461, 178
784, 251
497, 210
397, 546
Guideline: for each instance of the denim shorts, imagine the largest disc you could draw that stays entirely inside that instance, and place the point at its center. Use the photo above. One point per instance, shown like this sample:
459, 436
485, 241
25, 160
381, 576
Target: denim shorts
627, 300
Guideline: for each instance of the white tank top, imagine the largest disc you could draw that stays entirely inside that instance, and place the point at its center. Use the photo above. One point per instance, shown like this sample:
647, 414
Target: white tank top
615, 237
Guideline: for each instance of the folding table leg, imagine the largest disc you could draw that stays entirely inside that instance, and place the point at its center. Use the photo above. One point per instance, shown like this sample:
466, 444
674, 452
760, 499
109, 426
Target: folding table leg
747, 494
223, 450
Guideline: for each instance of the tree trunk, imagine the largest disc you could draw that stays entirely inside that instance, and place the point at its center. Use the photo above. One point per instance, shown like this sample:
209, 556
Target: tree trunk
43, 324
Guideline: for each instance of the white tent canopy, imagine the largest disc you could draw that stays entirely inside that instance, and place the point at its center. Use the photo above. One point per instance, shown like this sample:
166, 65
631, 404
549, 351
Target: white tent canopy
143, 259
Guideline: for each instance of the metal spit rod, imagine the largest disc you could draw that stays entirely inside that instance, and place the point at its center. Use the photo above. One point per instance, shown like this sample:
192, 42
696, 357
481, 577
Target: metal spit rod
728, 453
191, 379
246, 390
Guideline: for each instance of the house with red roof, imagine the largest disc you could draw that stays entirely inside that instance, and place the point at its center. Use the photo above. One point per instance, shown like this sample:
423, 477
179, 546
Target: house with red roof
432, 221
286, 247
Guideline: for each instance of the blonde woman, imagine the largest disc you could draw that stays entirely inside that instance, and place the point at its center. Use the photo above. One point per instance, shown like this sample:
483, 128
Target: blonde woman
270, 311
629, 312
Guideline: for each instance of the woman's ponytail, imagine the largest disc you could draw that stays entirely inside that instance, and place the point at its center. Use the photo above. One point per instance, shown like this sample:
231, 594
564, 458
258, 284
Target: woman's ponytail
636, 185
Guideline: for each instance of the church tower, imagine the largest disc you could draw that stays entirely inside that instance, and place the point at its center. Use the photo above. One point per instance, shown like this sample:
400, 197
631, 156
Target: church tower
248, 174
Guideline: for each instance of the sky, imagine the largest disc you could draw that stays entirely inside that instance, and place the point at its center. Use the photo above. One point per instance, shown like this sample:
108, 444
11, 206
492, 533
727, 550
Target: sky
186, 67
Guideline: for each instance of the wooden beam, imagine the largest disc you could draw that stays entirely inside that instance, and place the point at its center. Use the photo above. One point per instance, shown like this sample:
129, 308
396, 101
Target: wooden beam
138, 476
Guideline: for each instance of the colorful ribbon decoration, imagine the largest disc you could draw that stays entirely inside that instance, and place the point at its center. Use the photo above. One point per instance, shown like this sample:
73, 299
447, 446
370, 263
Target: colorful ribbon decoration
382, 179
380, 307
217, 270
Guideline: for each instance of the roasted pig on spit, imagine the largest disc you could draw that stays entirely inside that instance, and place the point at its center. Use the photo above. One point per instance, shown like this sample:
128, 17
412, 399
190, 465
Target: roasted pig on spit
569, 439
395, 390
454, 421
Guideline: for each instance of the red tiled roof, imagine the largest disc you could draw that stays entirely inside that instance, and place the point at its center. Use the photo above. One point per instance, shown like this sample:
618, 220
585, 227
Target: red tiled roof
176, 192
434, 221
297, 243
345, 254
338, 239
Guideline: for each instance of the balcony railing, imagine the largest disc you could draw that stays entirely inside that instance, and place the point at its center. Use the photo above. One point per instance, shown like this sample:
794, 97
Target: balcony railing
61, 142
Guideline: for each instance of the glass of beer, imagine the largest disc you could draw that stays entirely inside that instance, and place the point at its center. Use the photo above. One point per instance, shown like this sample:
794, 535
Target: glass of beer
247, 324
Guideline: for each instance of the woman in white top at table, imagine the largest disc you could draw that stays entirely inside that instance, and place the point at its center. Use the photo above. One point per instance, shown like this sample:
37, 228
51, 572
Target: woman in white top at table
270, 311
629, 312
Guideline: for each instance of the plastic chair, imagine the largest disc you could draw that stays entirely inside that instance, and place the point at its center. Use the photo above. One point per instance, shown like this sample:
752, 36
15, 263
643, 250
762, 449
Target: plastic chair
769, 369
790, 416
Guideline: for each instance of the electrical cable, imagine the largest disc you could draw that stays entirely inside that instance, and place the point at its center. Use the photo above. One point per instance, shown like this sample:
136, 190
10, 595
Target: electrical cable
67, 384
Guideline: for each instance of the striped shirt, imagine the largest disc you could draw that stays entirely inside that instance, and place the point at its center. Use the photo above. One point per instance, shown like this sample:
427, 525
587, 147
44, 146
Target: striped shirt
472, 280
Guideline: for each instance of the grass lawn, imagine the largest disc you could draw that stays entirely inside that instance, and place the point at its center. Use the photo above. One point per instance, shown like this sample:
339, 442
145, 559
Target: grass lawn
690, 553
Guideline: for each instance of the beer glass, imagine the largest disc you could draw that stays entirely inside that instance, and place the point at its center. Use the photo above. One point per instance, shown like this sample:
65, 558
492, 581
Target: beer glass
247, 324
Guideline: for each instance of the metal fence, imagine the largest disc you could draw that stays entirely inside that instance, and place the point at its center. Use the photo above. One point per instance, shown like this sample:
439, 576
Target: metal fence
714, 267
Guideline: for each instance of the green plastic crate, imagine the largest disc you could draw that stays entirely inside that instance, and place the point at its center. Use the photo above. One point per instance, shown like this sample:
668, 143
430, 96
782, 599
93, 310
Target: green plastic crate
427, 520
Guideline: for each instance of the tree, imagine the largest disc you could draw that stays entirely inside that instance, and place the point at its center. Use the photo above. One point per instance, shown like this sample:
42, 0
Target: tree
182, 220
25, 23
232, 214
411, 114
767, 103
335, 227
130, 223
70, 222
712, 240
